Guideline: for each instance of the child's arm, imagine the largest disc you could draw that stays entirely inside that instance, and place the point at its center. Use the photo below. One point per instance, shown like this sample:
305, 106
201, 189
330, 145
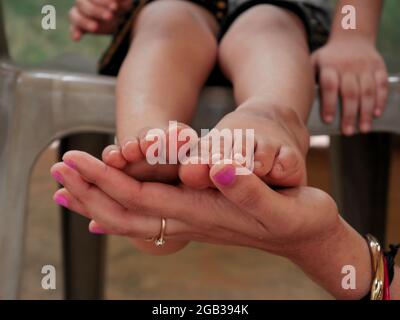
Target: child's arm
96, 16
349, 64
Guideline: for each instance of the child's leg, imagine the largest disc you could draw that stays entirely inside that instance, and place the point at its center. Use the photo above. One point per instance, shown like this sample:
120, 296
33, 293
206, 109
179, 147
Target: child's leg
265, 55
172, 53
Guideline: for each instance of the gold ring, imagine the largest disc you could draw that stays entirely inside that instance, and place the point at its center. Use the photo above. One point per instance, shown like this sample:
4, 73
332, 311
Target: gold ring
160, 241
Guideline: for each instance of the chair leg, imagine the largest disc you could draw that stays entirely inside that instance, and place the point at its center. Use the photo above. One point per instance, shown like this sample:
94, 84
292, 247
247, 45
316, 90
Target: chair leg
83, 252
14, 182
360, 168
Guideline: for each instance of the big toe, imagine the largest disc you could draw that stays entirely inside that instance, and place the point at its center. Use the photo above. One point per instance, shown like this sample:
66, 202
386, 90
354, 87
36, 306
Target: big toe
195, 175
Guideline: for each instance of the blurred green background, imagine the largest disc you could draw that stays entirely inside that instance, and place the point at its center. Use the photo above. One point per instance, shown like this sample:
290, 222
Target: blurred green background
29, 44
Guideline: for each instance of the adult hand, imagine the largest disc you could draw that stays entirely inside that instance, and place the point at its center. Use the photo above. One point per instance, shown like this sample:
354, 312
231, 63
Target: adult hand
301, 224
246, 212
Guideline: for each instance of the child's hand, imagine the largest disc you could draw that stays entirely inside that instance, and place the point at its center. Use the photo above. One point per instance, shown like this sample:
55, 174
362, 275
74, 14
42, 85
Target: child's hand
353, 67
96, 16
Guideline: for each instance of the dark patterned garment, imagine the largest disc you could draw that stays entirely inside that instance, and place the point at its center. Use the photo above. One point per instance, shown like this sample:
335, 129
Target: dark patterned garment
314, 14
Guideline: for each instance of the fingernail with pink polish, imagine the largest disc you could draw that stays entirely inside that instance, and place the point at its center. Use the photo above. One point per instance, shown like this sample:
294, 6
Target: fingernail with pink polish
58, 177
70, 163
225, 176
61, 201
96, 230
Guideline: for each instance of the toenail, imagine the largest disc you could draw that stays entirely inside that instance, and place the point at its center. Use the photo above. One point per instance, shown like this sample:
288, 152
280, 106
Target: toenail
58, 177
61, 201
128, 143
70, 163
226, 176
113, 152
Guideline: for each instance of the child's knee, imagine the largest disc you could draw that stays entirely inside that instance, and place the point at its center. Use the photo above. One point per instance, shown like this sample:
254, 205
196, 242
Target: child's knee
268, 17
260, 21
177, 21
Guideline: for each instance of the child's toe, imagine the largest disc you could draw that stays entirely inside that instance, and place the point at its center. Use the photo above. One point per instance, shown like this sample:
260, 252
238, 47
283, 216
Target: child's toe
264, 157
177, 137
131, 151
113, 157
195, 175
288, 168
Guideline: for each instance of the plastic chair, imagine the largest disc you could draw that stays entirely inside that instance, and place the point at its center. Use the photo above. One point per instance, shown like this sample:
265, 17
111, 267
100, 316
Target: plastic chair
38, 106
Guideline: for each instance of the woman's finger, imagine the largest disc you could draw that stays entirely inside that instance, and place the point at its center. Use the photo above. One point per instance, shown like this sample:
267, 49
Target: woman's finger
329, 82
95, 204
161, 200
349, 89
65, 199
82, 22
382, 89
103, 209
157, 199
170, 201
368, 94
248, 192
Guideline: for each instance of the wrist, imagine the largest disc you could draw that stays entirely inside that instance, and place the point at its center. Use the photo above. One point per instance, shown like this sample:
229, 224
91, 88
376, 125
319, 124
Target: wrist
395, 285
325, 261
348, 36
367, 14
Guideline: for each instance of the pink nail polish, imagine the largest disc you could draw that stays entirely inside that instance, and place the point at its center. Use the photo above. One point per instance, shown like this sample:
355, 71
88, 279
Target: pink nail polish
61, 201
225, 176
58, 177
70, 163
96, 230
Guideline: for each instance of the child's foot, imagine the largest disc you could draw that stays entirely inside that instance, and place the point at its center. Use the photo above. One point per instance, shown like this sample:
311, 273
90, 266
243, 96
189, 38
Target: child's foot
132, 157
280, 146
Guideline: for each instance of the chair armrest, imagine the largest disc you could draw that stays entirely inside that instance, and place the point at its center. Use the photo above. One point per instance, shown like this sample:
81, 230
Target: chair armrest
81, 102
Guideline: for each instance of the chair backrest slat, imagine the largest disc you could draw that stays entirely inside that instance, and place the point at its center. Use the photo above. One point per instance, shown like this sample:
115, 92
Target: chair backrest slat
3, 39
